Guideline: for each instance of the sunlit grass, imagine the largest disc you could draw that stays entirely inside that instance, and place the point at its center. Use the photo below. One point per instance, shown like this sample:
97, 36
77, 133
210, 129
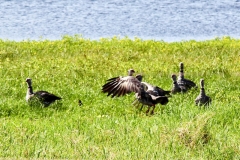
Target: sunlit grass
103, 128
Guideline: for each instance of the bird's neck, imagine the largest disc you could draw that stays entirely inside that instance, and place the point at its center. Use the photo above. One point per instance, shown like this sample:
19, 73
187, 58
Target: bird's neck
175, 84
29, 90
202, 92
181, 75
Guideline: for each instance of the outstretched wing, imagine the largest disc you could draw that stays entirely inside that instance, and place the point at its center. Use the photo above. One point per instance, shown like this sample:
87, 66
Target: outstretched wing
119, 86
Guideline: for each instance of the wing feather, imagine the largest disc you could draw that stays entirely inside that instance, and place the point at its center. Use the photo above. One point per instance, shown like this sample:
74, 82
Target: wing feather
119, 86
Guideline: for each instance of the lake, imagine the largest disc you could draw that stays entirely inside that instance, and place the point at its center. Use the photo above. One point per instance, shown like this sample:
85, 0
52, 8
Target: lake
160, 20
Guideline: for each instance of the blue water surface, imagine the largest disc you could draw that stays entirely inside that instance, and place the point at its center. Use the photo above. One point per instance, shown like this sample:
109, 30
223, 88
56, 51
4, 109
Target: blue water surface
152, 19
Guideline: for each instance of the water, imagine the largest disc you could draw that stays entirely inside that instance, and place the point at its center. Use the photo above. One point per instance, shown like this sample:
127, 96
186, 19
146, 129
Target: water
152, 19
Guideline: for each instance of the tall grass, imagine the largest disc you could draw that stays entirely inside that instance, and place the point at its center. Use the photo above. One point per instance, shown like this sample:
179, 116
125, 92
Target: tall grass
103, 128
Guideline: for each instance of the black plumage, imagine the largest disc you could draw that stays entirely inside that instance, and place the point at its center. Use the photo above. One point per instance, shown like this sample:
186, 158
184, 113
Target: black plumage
145, 94
80, 102
155, 90
43, 97
184, 84
157, 94
202, 99
175, 87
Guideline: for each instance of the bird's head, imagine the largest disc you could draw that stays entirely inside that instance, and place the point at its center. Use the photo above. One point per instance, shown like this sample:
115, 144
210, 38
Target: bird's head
181, 65
130, 72
29, 81
174, 77
139, 77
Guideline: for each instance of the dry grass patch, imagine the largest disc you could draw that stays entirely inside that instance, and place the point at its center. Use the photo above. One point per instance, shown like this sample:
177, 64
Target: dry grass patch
195, 132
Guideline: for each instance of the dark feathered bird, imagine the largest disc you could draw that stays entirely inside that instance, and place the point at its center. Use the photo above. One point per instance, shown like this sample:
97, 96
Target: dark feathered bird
182, 82
202, 98
80, 102
175, 87
157, 94
119, 86
43, 97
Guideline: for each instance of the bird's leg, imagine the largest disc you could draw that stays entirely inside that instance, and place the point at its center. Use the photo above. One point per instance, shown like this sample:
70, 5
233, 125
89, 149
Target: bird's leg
141, 108
148, 110
137, 107
135, 103
152, 112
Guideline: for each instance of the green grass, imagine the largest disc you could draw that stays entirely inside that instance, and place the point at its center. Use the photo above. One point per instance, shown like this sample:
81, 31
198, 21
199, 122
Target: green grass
104, 128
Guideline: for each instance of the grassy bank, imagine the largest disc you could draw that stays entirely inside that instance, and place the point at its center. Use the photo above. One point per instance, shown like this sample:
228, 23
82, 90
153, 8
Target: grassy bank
104, 128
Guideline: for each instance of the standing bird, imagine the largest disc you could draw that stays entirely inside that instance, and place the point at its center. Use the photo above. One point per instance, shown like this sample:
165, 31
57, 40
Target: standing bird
202, 98
119, 86
175, 87
155, 92
43, 97
185, 84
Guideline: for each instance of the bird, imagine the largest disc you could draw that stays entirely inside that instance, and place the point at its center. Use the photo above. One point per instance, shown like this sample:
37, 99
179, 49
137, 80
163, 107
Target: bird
175, 87
185, 84
80, 102
44, 97
202, 99
158, 95
144, 93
